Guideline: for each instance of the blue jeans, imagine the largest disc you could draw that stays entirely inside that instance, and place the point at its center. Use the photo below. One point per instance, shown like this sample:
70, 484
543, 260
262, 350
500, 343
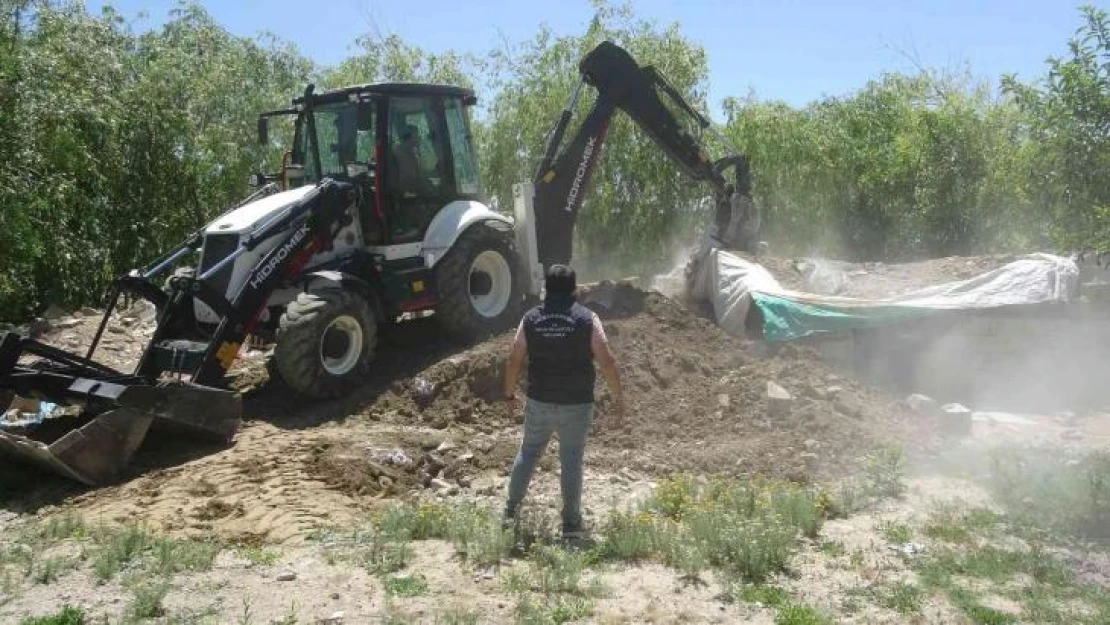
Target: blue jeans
541, 420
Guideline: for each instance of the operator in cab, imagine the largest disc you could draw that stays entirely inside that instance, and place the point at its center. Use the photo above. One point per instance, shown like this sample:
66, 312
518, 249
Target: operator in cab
410, 176
561, 340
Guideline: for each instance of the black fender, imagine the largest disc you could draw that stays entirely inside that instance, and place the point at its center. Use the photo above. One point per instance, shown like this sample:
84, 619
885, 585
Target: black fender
341, 279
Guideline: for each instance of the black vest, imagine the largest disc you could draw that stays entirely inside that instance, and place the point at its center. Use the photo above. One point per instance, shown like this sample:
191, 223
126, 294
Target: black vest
560, 359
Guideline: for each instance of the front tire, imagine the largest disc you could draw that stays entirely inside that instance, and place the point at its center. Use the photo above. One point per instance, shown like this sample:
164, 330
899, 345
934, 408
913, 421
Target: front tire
325, 343
477, 284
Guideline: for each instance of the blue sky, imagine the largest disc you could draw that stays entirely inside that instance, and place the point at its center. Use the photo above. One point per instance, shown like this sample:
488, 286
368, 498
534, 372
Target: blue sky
794, 50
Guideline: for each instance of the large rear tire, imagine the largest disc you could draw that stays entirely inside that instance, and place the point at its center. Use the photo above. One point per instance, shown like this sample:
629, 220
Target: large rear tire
325, 343
478, 284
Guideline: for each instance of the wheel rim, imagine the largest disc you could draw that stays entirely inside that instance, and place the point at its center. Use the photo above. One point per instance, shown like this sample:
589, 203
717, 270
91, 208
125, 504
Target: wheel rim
490, 283
341, 345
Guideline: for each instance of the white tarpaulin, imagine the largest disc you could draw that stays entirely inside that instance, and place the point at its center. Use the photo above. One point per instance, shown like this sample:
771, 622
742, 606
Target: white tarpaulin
733, 285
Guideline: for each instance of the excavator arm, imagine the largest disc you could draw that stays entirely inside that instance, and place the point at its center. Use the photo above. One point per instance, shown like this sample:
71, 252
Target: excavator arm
643, 94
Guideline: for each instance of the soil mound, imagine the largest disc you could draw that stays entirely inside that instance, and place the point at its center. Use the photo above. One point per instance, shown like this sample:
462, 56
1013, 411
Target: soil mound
432, 419
698, 399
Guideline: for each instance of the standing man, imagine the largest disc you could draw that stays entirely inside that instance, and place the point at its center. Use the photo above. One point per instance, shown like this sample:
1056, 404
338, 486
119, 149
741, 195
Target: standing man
561, 340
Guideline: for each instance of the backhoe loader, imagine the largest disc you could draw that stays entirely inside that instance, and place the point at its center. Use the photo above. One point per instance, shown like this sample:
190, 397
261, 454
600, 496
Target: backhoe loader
376, 215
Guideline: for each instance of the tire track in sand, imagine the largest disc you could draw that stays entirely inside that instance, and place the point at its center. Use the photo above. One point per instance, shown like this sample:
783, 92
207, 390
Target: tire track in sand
259, 489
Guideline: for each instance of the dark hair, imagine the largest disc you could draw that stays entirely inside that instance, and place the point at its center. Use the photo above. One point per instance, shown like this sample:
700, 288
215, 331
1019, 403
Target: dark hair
560, 279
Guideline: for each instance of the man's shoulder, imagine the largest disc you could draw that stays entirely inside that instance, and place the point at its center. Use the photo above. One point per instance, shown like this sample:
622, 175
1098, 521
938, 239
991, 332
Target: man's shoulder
586, 312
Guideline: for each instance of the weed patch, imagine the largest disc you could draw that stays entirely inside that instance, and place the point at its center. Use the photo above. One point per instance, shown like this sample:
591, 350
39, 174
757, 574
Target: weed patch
146, 602
117, 549
748, 531
68, 615
901, 597
50, 569
897, 533
1051, 595
457, 616
406, 585
475, 533
884, 473
260, 556
1043, 489
771, 596
800, 614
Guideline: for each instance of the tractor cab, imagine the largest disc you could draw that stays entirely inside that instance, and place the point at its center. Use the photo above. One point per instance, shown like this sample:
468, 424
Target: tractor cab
406, 147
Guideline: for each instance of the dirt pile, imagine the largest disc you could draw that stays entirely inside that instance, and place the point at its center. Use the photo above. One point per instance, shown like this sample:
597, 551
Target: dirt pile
431, 420
697, 402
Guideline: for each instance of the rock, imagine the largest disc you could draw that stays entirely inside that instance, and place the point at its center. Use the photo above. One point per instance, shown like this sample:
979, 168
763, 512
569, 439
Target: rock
723, 400
833, 391
464, 481
908, 549
117, 330
815, 392
143, 310
779, 400
129, 321
811, 444
466, 457
808, 456
336, 618
441, 485
53, 313
423, 392
446, 446
922, 404
848, 406
37, 327
627, 474
68, 322
385, 482
286, 576
89, 312
955, 419
335, 596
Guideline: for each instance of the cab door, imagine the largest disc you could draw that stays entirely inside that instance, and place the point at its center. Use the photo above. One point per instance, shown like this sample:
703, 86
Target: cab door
419, 166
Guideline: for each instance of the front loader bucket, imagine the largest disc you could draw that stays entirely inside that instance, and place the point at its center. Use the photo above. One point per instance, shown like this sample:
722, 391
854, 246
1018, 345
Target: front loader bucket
95, 450
115, 412
94, 453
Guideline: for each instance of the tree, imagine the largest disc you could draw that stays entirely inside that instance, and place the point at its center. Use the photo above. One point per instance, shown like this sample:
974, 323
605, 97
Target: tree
1068, 118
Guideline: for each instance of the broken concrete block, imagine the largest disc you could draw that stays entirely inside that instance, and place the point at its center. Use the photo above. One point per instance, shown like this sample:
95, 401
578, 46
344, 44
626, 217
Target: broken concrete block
848, 406
955, 419
779, 400
923, 404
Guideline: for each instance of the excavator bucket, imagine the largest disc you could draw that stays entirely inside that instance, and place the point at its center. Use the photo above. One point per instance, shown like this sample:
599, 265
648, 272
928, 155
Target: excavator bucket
99, 417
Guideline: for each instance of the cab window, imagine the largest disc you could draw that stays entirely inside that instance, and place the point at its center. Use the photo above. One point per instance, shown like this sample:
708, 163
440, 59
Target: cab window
416, 148
462, 147
419, 180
